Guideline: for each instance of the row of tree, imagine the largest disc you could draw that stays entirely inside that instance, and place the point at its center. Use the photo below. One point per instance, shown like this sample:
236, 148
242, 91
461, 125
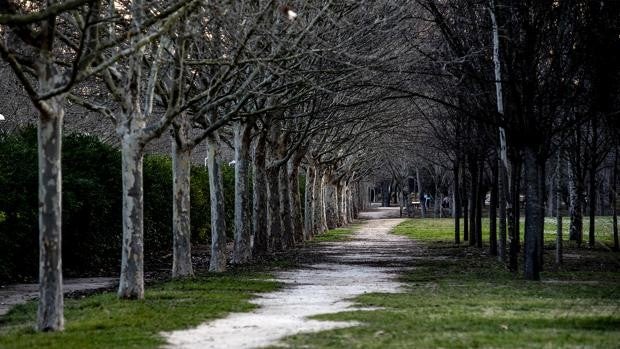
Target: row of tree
291, 87
523, 104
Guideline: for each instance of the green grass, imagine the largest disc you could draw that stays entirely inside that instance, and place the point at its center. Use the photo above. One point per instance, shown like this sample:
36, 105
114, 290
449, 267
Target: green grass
458, 297
103, 321
338, 234
442, 229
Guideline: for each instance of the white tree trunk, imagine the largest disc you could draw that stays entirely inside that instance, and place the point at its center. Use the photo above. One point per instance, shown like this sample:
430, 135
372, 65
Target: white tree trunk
131, 283
50, 314
218, 222
242, 251
181, 229
322, 202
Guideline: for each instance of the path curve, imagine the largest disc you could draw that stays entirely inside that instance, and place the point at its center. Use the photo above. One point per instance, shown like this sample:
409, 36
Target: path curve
369, 262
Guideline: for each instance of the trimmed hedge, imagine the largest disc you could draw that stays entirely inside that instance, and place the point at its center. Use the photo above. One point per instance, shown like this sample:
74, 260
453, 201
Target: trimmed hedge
92, 230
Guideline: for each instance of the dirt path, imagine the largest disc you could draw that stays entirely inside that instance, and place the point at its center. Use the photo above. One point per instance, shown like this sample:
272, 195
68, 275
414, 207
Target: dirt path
12, 295
367, 263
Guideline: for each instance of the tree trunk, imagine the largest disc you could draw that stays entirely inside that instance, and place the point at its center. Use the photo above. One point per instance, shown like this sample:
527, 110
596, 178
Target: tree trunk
181, 229
323, 202
575, 187
502, 189
50, 313
331, 202
242, 250
295, 200
533, 219
288, 240
473, 199
479, 205
218, 214
493, 208
465, 201
457, 205
592, 203
131, 283
513, 217
558, 214
614, 202
309, 203
259, 202
273, 210
420, 193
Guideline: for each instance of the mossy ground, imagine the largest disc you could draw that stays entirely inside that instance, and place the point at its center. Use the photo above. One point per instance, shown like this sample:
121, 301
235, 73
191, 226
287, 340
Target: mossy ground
460, 297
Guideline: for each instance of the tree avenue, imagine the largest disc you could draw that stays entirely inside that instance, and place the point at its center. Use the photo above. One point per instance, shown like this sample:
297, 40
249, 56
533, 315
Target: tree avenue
450, 108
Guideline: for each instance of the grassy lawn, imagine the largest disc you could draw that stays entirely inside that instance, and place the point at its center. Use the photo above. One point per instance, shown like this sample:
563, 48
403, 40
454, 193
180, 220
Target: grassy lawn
442, 229
459, 297
103, 321
338, 234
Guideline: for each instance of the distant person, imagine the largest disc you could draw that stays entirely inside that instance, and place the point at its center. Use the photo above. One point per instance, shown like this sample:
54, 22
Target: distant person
427, 200
445, 203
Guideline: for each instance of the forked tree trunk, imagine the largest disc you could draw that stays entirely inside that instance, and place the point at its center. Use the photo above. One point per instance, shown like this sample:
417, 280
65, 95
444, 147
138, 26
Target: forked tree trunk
260, 230
309, 203
131, 283
218, 214
242, 250
50, 314
181, 229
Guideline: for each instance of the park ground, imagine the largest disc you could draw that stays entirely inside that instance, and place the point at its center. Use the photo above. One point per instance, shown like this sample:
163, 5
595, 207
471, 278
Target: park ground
448, 296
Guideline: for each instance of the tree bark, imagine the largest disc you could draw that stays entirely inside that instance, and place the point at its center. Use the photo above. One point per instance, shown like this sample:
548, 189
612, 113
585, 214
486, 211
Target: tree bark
273, 211
331, 202
259, 187
218, 214
457, 205
295, 199
242, 250
502, 191
575, 187
493, 208
131, 283
181, 229
473, 203
288, 240
614, 201
533, 219
309, 203
558, 212
50, 313
479, 204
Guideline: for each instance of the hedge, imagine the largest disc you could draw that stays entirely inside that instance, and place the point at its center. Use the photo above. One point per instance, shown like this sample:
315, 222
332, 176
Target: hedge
92, 207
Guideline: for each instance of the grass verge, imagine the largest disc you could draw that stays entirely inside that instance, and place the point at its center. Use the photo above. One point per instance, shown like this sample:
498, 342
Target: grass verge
338, 234
103, 321
459, 297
